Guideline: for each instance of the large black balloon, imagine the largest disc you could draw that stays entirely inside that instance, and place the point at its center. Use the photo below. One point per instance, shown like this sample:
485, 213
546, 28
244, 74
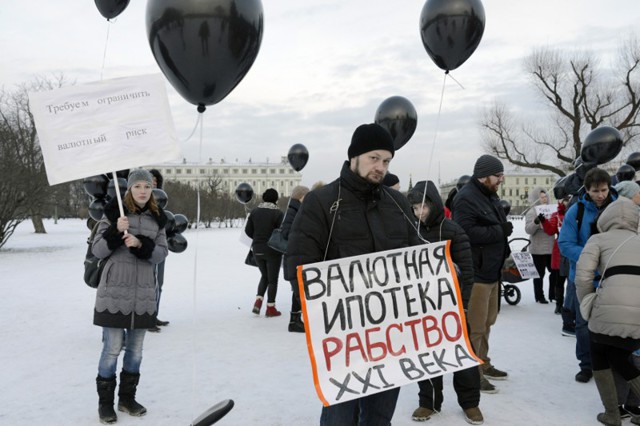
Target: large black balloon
634, 160
399, 117
559, 190
581, 167
177, 243
161, 197
111, 188
204, 48
111, 8
244, 193
96, 208
298, 156
170, 226
572, 184
601, 145
181, 223
506, 206
462, 181
626, 172
451, 30
96, 186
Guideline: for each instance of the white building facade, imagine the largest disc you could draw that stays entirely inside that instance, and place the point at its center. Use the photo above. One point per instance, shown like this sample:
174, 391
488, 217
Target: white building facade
261, 176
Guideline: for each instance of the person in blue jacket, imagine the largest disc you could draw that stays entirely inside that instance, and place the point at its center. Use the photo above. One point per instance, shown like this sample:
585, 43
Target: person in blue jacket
579, 224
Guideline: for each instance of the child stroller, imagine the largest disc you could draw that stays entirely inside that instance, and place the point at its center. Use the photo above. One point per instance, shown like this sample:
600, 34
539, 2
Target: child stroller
511, 276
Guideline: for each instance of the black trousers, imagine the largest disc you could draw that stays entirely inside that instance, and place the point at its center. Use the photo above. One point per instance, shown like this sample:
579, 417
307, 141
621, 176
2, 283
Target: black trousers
613, 352
296, 306
556, 281
542, 263
466, 383
269, 272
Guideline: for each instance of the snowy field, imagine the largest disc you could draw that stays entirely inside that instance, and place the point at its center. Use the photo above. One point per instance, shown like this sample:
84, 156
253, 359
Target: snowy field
215, 348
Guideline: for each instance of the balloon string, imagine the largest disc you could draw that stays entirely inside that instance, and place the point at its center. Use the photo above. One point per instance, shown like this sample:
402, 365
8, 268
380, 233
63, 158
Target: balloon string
198, 120
433, 144
451, 77
195, 280
104, 55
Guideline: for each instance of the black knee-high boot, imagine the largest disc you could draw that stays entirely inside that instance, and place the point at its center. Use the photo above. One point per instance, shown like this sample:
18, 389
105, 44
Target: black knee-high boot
127, 394
106, 388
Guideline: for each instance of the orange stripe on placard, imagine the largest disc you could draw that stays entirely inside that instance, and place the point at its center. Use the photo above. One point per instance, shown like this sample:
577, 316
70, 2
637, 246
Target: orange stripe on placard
314, 366
463, 316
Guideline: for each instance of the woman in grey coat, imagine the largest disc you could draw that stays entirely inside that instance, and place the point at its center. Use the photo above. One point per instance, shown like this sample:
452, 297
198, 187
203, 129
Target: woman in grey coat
541, 245
126, 298
614, 320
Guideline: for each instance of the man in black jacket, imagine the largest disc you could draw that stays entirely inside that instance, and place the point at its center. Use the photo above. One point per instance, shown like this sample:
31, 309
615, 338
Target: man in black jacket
476, 208
355, 215
428, 208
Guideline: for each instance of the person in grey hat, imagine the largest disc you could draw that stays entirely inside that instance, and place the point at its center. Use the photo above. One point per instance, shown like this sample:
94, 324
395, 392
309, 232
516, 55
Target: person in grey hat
476, 208
629, 189
355, 215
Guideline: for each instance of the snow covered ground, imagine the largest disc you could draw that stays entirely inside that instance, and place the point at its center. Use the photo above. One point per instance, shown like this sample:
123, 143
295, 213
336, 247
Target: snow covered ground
215, 348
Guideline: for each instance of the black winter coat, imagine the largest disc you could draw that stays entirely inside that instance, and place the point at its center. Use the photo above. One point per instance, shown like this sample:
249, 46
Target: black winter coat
478, 212
439, 228
260, 224
369, 218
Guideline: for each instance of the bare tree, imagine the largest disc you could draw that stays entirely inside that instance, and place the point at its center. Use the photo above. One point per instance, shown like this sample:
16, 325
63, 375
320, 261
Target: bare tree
580, 96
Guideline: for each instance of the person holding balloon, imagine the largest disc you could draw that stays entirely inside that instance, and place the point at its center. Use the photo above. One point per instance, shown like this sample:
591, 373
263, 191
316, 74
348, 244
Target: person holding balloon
355, 215
126, 304
260, 224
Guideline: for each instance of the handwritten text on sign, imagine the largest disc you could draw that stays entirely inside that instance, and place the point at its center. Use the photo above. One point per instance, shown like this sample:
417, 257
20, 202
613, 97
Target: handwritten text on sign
524, 263
380, 321
104, 126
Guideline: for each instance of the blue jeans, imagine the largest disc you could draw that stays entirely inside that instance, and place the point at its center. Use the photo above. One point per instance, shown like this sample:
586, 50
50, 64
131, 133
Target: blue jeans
113, 339
372, 410
583, 353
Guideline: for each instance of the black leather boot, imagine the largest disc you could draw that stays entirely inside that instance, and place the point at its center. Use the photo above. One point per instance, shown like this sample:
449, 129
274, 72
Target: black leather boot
127, 394
295, 323
106, 388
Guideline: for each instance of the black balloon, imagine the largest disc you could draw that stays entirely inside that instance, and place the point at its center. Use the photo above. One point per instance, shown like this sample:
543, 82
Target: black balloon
559, 190
96, 208
171, 223
399, 117
111, 188
111, 8
506, 206
462, 181
180, 223
204, 48
572, 184
96, 186
298, 156
451, 30
601, 145
177, 243
626, 172
581, 167
161, 197
244, 193
634, 160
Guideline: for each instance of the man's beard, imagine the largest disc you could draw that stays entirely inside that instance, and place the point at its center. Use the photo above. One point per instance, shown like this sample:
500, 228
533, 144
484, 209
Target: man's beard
493, 188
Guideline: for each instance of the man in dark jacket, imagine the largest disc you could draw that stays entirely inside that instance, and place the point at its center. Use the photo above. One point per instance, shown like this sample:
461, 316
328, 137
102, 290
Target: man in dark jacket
476, 208
355, 215
435, 227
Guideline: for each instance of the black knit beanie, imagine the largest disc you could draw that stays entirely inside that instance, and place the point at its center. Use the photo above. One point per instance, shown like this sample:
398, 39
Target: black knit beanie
369, 137
390, 179
270, 196
487, 165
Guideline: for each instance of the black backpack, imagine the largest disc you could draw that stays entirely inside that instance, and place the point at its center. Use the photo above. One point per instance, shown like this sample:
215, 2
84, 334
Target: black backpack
92, 265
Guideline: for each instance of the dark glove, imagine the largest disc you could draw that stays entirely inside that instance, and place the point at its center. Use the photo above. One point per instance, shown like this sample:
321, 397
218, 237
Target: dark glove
507, 228
541, 218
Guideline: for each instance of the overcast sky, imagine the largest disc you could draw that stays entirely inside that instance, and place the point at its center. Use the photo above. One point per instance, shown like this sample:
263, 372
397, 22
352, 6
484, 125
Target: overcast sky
324, 67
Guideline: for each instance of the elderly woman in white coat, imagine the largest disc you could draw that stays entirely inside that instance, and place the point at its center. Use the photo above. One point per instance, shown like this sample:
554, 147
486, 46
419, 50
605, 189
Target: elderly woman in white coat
541, 245
614, 318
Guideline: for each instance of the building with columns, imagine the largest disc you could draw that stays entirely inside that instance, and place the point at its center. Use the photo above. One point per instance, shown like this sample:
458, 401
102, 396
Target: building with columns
260, 175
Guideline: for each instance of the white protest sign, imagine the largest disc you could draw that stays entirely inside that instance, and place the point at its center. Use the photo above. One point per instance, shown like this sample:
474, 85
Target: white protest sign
546, 209
524, 263
380, 321
104, 126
